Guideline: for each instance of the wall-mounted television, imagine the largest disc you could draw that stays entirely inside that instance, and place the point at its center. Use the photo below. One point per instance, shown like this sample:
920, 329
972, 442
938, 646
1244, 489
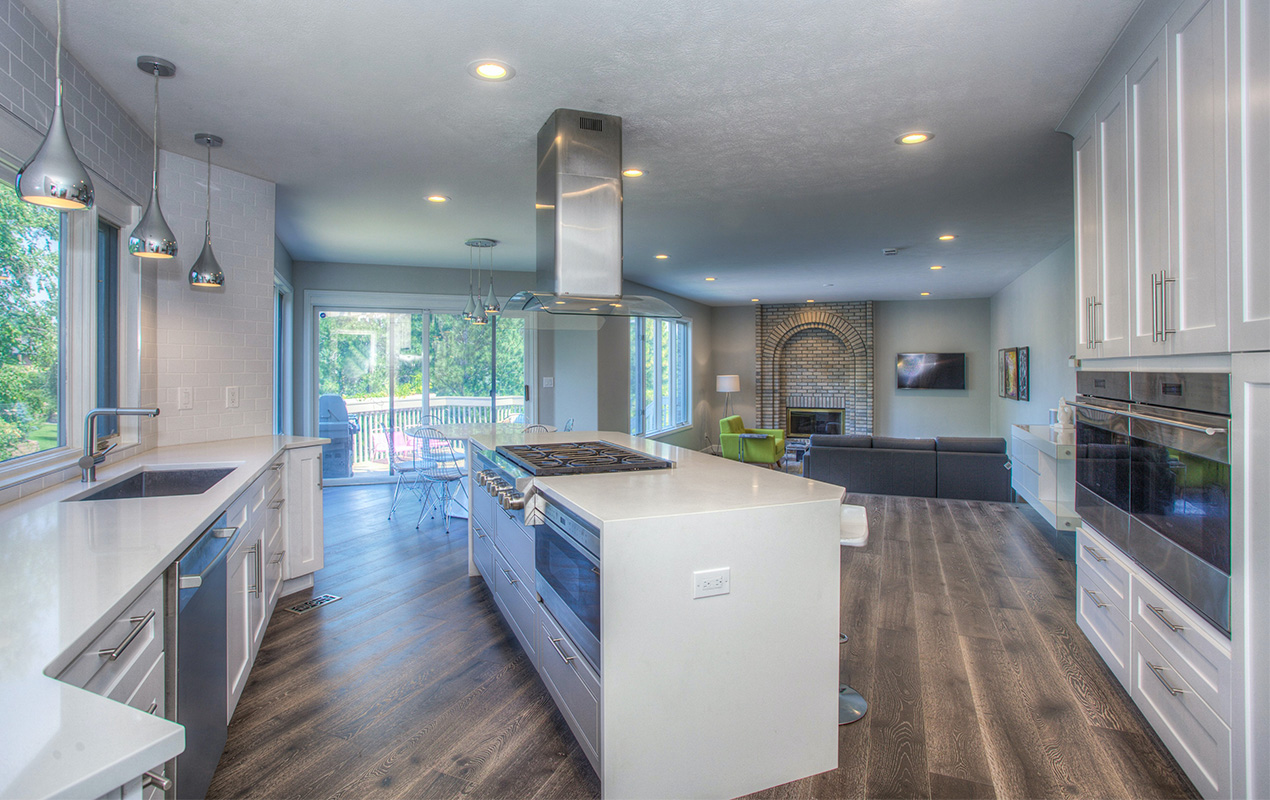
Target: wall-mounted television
930, 371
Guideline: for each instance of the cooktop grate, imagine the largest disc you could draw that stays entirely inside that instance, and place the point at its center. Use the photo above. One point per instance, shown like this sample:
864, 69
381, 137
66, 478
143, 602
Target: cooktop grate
579, 458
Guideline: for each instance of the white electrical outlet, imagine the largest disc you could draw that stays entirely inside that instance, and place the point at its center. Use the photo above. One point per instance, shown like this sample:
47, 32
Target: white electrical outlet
709, 582
548, 383
184, 398
231, 397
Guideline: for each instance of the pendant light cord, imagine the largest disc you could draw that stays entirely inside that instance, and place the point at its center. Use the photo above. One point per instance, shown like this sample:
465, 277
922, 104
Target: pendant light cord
57, 56
155, 181
209, 190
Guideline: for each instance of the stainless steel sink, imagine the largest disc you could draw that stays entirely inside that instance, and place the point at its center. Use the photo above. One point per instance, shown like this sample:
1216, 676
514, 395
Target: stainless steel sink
159, 483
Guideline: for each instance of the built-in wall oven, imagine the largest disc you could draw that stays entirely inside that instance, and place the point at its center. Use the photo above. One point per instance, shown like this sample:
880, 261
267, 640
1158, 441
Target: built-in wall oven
1153, 477
567, 558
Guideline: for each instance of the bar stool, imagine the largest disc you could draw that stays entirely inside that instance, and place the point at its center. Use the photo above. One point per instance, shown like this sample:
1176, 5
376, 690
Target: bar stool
853, 525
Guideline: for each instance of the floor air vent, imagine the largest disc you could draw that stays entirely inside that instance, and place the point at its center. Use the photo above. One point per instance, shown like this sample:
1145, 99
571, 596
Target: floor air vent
312, 603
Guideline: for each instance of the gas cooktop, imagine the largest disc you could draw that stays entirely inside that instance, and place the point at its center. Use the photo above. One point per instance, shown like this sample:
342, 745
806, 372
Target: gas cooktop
579, 458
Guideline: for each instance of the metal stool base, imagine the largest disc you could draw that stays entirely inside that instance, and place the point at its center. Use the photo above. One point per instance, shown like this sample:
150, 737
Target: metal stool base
851, 705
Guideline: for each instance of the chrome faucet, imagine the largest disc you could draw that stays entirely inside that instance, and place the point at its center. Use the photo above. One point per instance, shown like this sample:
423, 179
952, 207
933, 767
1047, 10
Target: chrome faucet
89, 461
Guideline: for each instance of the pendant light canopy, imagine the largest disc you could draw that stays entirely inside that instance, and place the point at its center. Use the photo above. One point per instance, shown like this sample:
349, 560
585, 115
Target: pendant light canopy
54, 177
206, 272
482, 307
153, 238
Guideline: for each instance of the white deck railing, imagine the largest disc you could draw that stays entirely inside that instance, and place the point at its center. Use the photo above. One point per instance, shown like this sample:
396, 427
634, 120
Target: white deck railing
372, 418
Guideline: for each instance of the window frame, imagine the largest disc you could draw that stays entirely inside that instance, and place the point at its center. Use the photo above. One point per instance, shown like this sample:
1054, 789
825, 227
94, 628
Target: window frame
665, 391
78, 323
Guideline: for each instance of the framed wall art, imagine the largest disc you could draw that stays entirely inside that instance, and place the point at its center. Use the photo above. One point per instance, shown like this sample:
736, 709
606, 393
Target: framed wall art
1011, 383
1023, 374
1001, 373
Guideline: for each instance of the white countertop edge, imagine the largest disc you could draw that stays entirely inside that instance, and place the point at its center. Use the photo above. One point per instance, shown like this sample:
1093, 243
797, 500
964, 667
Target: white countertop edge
1046, 443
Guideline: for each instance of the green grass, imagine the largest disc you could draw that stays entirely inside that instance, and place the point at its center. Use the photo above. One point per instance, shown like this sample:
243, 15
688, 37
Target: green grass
45, 436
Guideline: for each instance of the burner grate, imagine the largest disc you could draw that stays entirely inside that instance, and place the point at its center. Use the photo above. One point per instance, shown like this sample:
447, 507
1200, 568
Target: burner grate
574, 458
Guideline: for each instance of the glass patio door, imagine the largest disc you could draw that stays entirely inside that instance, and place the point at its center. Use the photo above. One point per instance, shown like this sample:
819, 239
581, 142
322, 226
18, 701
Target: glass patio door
371, 372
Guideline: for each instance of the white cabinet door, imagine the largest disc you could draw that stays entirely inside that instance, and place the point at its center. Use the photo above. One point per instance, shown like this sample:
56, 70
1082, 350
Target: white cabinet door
242, 602
1197, 294
1085, 156
1148, 194
1250, 259
1111, 308
304, 522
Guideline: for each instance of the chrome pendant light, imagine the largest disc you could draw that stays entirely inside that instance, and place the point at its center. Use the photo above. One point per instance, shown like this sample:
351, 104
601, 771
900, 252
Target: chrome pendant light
153, 238
206, 272
479, 316
491, 302
54, 177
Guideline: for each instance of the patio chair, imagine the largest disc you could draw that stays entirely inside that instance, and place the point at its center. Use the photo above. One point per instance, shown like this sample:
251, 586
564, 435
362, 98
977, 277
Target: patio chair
407, 462
535, 429
568, 424
439, 472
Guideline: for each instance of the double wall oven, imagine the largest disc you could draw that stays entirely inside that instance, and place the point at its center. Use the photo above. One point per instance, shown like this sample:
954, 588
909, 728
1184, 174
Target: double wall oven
1153, 477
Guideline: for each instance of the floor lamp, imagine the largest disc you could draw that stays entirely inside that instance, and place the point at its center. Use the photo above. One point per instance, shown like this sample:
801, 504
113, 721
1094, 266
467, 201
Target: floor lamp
727, 384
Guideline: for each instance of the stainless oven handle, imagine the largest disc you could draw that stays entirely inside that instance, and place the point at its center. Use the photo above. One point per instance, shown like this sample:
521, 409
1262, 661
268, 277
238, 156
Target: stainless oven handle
1148, 418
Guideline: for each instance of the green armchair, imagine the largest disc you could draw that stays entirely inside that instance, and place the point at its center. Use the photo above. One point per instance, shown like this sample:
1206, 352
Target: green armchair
751, 445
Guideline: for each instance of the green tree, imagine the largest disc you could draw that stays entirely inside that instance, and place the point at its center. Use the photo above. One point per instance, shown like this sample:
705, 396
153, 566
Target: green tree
30, 296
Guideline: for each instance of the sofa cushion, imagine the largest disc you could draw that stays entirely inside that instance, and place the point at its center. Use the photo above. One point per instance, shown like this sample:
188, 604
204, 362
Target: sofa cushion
890, 443
970, 444
836, 440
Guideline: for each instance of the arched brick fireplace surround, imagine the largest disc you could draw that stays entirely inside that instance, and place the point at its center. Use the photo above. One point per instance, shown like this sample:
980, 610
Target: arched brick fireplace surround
815, 357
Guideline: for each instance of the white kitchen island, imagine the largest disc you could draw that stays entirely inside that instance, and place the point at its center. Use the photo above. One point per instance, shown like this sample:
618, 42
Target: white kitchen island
710, 697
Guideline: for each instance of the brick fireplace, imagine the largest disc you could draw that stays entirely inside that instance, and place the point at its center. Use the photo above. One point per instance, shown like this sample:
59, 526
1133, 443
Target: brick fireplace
815, 356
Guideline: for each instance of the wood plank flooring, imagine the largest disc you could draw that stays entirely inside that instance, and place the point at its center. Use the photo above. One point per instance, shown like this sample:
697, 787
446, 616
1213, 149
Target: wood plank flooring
963, 640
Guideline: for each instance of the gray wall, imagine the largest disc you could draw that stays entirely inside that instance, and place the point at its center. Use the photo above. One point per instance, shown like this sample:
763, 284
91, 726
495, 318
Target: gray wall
933, 326
1035, 311
734, 354
282, 263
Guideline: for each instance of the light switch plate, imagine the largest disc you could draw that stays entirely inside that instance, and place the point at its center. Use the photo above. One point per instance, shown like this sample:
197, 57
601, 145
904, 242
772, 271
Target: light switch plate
548, 383
231, 397
711, 582
184, 398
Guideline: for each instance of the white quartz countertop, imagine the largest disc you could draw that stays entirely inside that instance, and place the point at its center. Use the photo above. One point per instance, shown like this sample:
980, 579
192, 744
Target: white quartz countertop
66, 571
1054, 442
698, 484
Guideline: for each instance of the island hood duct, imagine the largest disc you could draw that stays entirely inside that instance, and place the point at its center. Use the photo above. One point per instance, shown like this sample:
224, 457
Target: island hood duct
579, 213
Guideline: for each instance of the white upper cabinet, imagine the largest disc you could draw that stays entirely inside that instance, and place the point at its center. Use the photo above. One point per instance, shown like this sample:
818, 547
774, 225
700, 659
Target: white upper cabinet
1111, 310
1086, 182
1250, 170
1148, 194
1196, 295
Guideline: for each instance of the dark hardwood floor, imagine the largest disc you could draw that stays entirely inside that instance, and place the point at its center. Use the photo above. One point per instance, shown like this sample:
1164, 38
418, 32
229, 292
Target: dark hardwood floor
963, 640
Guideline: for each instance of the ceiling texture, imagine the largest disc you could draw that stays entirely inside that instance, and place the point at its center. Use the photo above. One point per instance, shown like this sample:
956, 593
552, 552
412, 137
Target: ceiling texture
767, 130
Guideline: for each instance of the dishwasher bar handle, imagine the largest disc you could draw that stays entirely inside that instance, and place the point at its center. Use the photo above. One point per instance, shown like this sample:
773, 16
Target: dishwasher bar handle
195, 581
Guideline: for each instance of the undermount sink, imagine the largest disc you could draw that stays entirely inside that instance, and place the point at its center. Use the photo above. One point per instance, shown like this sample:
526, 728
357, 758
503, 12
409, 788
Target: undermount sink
159, 483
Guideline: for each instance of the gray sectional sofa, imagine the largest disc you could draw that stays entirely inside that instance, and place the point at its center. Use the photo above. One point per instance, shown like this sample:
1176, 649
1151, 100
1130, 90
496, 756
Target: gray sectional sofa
952, 467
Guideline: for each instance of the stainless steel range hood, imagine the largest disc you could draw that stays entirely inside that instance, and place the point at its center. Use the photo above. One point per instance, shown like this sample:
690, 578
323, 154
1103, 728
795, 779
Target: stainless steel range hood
579, 212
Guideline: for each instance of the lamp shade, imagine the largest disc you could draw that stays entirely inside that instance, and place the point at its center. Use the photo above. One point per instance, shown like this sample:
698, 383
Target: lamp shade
727, 383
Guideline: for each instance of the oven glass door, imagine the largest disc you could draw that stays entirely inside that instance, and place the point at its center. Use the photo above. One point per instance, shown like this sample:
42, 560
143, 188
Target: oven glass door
572, 575
1103, 482
1183, 496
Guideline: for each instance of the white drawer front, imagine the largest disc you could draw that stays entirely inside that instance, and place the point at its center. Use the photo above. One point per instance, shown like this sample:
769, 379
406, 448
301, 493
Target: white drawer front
1021, 452
1192, 731
483, 552
515, 542
1195, 651
482, 506
1024, 479
1106, 627
275, 477
1094, 555
136, 639
571, 682
149, 695
517, 604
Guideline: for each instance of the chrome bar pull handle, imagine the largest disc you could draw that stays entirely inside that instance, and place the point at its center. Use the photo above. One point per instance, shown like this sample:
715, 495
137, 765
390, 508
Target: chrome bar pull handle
277, 466
511, 576
1094, 597
1097, 556
1155, 307
138, 624
154, 706
1165, 280
224, 533
1159, 612
149, 779
254, 588
556, 644
277, 504
1159, 673
1094, 317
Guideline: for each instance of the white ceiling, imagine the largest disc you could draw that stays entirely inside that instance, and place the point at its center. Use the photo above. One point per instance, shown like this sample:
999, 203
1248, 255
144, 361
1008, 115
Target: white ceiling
766, 127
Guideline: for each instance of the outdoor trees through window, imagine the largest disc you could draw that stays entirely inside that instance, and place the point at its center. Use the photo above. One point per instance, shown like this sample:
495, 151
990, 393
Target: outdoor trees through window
30, 312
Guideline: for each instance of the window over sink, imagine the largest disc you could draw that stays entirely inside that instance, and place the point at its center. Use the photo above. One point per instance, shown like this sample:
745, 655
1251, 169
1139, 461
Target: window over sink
660, 375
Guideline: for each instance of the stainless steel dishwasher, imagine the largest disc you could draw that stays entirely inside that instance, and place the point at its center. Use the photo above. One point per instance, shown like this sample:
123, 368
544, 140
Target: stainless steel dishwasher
197, 669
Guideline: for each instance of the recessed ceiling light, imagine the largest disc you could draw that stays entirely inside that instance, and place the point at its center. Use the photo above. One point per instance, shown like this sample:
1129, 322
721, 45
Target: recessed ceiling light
661, 256
811, 301
925, 294
559, 302
632, 173
438, 198
709, 279
487, 69
616, 305
937, 266
947, 237
914, 137
595, 309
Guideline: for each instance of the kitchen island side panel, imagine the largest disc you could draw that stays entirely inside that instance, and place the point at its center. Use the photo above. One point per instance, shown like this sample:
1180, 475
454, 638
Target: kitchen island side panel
725, 695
